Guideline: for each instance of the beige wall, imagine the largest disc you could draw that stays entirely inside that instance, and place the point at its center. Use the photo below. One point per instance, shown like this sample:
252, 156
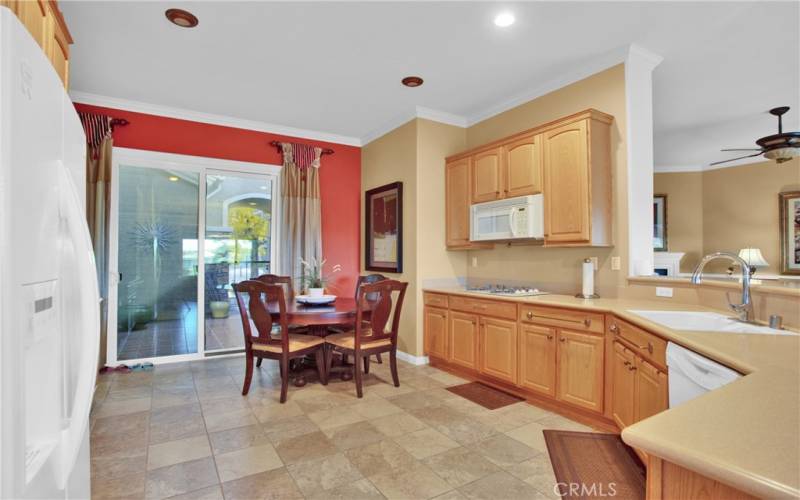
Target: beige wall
734, 208
393, 158
558, 269
684, 192
414, 154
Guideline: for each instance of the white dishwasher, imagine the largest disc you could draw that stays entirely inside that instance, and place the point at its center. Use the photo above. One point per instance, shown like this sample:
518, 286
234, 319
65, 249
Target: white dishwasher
692, 375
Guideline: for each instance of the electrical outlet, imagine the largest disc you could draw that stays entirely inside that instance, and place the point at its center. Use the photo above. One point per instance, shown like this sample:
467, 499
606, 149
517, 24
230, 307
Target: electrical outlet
594, 262
615, 263
474, 262
662, 291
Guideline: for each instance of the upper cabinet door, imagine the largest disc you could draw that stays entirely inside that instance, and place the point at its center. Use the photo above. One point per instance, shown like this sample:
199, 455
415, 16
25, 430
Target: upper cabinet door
35, 16
457, 202
487, 176
523, 162
566, 181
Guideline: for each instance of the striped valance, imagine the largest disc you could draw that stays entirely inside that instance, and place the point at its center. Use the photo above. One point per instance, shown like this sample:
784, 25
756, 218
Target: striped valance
301, 156
97, 127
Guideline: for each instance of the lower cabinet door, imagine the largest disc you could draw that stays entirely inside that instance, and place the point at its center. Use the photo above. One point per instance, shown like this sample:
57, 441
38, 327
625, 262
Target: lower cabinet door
623, 385
498, 348
580, 369
435, 331
537, 359
463, 336
652, 395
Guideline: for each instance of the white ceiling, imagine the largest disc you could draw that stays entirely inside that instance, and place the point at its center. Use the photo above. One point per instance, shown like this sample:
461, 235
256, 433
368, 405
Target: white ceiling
334, 67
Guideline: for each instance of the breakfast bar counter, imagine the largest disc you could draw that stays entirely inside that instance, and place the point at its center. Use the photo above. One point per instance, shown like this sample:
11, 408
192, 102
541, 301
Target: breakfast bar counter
722, 434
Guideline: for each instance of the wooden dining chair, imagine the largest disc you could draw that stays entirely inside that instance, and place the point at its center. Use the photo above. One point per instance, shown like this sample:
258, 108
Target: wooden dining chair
365, 280
270, 343
370, 336
286, 283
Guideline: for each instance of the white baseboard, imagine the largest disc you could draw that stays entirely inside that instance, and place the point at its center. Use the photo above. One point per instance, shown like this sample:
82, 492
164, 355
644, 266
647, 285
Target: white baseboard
410, 358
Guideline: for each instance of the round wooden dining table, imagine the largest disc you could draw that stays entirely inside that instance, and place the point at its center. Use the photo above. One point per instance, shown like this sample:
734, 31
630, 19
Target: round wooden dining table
318, 319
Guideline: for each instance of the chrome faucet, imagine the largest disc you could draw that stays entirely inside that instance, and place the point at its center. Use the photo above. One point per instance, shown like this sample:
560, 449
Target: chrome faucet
745, 309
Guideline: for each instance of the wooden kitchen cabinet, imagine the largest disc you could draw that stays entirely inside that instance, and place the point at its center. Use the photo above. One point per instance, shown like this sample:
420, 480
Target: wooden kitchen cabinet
45, 23
537, 359
580, 369
498, 349
463, 339
458, 198
487, 175
651, 390
435, 332
623, 379
523, 166
577, 183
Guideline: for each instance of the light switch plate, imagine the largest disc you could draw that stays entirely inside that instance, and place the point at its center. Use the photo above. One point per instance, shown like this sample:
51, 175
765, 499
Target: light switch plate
662, 291
615, 263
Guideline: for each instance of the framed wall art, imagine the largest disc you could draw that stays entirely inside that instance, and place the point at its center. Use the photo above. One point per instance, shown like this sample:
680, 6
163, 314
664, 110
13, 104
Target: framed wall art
790, 232
383, 238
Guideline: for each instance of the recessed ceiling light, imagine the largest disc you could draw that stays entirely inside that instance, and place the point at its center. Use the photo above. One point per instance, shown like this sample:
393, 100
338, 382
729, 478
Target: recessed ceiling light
182, 18
412, 81
173, 178
504, 19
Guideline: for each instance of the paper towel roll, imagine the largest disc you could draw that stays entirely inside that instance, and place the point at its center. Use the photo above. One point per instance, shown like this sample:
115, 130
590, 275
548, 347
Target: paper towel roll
588, 278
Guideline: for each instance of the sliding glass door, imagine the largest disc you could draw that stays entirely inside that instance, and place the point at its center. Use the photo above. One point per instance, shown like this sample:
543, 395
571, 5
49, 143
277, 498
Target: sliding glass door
238, 246
181, 233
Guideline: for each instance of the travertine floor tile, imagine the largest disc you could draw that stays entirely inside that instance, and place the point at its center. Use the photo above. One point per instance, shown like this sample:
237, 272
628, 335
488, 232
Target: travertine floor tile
500, 485
288, 427
460, 466
305, 447
175, 452
207, 493
237, 438
530, 434
503, 450
247, 461
229, 420
398, 424
181, 478
324, 474
120, 486
353, 435
417, 483
274, 485
359, 490
380, 457
425, 443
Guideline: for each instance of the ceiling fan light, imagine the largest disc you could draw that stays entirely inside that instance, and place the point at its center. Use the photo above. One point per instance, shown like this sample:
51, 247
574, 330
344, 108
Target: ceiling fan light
781, 155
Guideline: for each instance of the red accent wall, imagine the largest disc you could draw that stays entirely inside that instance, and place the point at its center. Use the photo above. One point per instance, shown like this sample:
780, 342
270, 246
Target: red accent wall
340, 173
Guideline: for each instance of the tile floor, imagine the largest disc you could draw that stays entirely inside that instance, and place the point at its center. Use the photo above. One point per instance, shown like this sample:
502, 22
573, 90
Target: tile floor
184, 431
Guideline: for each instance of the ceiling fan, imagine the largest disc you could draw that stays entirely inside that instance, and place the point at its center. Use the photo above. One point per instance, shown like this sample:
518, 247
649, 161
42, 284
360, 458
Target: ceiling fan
780, 147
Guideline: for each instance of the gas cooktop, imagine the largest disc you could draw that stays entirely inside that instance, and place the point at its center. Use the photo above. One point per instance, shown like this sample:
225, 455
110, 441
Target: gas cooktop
506, 290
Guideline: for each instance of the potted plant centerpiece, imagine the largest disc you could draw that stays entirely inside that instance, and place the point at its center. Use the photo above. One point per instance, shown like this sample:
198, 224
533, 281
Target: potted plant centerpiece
314, 278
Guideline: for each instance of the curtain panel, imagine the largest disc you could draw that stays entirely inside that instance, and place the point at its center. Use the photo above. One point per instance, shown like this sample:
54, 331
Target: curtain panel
301, 214
99, 144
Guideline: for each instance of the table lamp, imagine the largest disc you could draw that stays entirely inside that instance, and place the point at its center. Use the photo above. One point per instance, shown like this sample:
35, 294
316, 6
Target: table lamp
753, 258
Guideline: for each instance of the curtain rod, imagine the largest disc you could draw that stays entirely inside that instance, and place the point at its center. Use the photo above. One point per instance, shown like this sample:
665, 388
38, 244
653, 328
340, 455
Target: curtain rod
277, 144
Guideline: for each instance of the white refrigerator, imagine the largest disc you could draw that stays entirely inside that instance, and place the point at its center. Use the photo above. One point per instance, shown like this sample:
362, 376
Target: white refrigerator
49, 304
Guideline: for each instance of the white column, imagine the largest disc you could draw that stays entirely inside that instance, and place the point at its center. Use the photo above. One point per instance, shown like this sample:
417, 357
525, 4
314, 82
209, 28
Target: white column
639, 66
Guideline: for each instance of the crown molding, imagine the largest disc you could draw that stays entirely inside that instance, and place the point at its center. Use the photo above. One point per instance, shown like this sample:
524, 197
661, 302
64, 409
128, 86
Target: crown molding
387, 127
670, 169
213, 119
666, 169
441, 116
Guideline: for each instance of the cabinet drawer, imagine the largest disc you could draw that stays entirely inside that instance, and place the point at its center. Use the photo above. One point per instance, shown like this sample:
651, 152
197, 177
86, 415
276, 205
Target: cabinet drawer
498, 309
435, 299
643, 343
566, 318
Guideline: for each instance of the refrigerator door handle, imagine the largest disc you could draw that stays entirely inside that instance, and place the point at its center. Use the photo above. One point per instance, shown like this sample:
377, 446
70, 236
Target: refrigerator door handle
89, 341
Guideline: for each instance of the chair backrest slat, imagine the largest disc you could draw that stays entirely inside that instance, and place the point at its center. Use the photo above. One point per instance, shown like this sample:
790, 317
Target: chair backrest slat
274, 279
375, 306
259, 298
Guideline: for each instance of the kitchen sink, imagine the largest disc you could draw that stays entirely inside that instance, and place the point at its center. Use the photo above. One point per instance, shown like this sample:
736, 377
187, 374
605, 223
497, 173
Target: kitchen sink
705, 321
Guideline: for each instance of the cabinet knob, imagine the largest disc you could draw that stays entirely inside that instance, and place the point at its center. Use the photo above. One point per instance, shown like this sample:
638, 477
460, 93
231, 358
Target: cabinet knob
562, 339
587, 322
529, 315
632, 368
627, 363
614, 328
549, 337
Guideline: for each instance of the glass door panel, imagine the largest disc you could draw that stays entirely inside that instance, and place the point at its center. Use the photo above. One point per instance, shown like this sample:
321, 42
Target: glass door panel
157, 262
238, 246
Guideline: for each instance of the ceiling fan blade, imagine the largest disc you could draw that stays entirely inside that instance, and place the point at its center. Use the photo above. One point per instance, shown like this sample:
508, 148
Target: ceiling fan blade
742, 149
733, 159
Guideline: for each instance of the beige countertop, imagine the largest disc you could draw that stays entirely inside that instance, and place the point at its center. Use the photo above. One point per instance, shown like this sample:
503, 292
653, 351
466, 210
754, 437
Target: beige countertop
745, 434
